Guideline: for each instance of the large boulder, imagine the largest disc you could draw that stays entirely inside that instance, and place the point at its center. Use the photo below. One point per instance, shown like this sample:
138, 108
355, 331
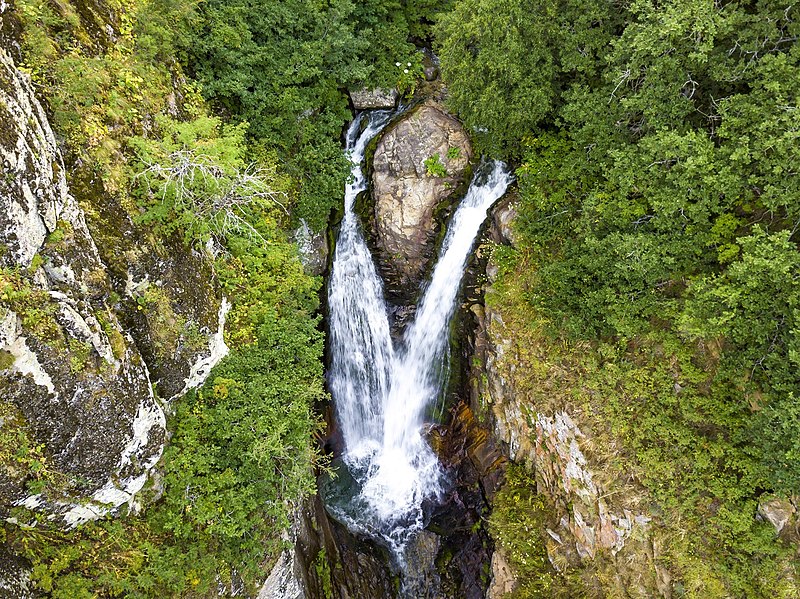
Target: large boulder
419, 163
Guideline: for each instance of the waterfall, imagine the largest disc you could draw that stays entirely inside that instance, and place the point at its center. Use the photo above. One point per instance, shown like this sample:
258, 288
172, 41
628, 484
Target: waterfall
381, 392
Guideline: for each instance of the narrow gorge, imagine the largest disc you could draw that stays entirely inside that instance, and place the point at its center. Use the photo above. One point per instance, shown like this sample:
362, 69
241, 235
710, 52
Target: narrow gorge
470, 299
383, 392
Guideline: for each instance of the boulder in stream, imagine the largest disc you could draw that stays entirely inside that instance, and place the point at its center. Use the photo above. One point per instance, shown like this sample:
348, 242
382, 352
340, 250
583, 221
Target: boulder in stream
419, 163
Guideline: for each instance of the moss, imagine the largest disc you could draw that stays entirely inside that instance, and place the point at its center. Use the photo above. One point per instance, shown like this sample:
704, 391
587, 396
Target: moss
164, 325
34, 306
36, 263
7, 359
323, 571
115, 337
62, 233
518, 523
79, 354
625, 400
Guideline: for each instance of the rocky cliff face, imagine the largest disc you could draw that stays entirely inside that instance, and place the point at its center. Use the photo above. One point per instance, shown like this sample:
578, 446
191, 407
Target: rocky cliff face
72, 377
599, 520
418, 164
85, 318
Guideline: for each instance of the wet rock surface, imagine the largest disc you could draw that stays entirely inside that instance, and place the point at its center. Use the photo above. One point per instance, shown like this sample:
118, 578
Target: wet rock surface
476, 467
327, 562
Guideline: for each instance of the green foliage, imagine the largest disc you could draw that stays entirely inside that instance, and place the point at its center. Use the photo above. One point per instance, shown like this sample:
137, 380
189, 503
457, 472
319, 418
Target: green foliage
517, 523
194, 179
323, 569
21, 457
241, 453
434, 166
282, 67
506, 61
285, 68
409, 75
658, 232
422, 15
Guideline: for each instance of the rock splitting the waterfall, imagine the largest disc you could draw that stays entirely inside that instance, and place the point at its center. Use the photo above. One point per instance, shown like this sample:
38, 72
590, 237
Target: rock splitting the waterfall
418, 164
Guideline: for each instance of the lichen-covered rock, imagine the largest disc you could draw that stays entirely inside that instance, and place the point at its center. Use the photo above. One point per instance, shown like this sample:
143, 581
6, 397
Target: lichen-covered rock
15, 577
313, 248
283, 582
76, 379
418, 164
32, 186
366, 99
171, 311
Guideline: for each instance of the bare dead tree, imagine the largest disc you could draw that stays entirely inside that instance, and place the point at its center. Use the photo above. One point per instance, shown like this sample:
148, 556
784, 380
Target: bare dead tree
195, 184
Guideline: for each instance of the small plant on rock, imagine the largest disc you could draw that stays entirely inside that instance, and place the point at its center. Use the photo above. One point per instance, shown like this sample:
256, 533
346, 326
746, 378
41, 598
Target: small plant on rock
434, 166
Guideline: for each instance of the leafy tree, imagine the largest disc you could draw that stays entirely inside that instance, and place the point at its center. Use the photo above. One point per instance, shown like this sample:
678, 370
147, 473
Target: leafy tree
285, 68
658, 229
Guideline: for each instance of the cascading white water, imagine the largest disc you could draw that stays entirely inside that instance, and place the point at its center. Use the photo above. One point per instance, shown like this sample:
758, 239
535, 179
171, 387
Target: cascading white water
361, 348
381, 393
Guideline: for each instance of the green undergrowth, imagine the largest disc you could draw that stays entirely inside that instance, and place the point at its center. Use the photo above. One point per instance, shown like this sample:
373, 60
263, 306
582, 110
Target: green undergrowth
241, 453
34, 307
517, 524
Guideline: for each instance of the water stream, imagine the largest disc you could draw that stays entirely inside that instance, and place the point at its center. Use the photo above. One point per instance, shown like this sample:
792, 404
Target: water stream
388, 475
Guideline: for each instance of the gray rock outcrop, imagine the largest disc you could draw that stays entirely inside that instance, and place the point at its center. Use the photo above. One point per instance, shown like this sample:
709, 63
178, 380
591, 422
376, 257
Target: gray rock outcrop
366, 99
419, 162
313, 247
778, 511
71, 378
